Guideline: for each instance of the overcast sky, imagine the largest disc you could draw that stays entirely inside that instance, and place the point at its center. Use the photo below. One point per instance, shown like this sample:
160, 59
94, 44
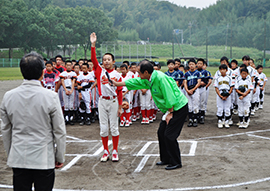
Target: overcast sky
194, 3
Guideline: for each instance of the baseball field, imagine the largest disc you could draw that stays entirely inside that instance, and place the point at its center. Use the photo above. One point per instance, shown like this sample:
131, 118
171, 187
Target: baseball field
213, 159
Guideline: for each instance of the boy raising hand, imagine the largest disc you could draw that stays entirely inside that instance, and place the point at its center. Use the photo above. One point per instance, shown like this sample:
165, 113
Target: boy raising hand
110, 100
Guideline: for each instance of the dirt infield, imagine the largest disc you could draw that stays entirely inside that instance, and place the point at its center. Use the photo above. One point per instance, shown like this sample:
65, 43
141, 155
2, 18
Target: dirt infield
223, 159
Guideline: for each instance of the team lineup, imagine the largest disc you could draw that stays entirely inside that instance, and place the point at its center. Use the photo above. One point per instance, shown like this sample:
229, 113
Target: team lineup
85, 92
88, 90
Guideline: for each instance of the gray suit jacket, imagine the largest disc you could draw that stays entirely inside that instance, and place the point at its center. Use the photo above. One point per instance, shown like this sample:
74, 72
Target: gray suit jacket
33, 127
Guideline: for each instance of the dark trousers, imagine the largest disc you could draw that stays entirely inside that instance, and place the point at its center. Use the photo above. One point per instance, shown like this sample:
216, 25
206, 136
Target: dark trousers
167, 137
24, 178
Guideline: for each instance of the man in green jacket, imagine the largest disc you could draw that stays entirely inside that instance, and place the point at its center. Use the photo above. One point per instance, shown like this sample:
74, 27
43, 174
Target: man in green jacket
171, 101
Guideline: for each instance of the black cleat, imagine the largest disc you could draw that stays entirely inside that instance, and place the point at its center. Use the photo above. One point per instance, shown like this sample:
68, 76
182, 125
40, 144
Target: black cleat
190, 124
195, 124
87, 121
202, 121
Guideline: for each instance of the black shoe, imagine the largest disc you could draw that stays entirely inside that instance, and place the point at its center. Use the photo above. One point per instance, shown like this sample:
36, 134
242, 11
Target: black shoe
172, 167
195, 124
87, 121
160, 163
190, 124
66, 122
93, 120
82, 123
202, 121
71, 122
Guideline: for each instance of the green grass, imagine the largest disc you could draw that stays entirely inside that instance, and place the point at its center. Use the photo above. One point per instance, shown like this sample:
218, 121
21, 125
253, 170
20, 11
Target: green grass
10, 74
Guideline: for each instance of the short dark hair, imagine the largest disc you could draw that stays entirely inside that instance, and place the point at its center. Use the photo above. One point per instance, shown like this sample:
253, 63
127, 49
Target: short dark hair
76, 65
80, 60
32, 66
201, 59
244, 70
45, 59
133, 64
49, 62
243, 66
85, 64
246, 57
127, 62
177, 60
234, 61
59, 56
259, 66
170, 61
145, 65
68, 61
181, 66
124, 66
109, 54
74, 61
89, 60
224, 58
223, 66
252, 60
192, 60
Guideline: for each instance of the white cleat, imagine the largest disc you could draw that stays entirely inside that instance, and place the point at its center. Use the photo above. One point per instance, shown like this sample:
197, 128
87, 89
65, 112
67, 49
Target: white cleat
127, 124
227, 126
122, 123
115, 156
241, 124
245, 125
105, 156
220, 124
252, 112
260, 106
231, 122
235, 112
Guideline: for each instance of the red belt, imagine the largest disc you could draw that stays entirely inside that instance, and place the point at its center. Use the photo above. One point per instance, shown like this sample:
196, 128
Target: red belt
108, 97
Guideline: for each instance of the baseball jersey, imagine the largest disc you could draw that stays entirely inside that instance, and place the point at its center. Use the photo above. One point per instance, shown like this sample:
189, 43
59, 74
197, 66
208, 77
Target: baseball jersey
262, 78
60, 68
235, 73
104, 88
49, 79
204, 76
85, 79
124, 78
228, 73
224, 83
173, 74
180, 77
244, 82
134, 75
192, 77
68, 76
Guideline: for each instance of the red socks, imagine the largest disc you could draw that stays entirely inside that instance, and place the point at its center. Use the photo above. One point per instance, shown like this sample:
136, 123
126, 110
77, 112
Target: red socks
115, 140
105, 143
148, 113
143, 113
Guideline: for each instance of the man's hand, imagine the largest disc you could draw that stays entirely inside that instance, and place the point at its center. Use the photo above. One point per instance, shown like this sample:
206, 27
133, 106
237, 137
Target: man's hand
80, 96
168, 118
93, 39
58, 165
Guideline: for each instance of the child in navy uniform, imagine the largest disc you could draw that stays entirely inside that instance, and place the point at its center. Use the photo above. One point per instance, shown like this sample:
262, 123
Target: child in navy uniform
191, 83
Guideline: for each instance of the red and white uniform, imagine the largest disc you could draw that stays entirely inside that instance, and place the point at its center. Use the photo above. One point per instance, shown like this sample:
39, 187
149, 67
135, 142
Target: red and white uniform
109, 100
84, 80
69, 100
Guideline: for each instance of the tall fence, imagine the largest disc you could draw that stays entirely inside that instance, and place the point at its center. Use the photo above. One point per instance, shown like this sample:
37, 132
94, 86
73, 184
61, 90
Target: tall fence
6, 62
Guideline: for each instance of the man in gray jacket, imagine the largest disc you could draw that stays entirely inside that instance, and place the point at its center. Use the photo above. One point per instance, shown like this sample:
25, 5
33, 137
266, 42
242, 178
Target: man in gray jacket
33, 129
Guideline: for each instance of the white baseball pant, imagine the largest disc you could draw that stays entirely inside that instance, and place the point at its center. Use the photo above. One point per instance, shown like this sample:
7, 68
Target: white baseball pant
243, 106
224, 106
145, 100
193, 102
202, 94
108, 118
69, 100
86, 97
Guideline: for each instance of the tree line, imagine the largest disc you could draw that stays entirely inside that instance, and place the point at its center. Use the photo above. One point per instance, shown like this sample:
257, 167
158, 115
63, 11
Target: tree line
44, 24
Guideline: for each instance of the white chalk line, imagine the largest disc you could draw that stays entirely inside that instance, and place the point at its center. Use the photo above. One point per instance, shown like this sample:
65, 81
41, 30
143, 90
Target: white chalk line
181, 189
142, 163
146, 157
78, 156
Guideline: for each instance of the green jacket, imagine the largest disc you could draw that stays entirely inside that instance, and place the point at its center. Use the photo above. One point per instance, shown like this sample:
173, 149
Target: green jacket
165, 92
